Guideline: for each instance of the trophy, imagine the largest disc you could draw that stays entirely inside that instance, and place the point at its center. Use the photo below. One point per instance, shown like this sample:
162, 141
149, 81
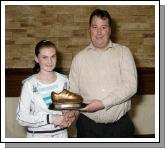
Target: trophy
66, 100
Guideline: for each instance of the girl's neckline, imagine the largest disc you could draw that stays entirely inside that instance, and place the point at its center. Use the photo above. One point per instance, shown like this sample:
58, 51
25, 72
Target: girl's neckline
47, 83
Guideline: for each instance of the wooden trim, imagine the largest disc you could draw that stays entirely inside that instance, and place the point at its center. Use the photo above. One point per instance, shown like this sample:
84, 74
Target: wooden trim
146, 80
13, 78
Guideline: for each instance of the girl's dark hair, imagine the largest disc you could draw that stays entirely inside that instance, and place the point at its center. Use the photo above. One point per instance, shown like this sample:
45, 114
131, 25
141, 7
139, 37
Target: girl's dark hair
103, 14
38, 47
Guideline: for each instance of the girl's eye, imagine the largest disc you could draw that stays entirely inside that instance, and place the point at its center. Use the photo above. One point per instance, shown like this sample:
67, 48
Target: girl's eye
44, 57
54, 56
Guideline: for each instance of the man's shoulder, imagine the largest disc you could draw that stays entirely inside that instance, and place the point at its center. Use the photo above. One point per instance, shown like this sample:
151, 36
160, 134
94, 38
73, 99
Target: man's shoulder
81, 53
117, 45
121, 49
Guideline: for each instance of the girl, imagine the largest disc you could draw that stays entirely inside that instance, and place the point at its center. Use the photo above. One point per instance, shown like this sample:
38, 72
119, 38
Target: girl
35, 97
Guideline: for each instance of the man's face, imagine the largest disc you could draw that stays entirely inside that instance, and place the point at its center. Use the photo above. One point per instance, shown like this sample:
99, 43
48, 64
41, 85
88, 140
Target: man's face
100, 32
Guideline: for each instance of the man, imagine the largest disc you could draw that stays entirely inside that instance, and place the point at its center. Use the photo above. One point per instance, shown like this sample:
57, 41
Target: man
104, 74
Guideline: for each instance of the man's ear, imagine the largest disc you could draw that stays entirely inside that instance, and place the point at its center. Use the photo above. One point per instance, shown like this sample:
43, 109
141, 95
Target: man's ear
36, 59
110, 31
88, 31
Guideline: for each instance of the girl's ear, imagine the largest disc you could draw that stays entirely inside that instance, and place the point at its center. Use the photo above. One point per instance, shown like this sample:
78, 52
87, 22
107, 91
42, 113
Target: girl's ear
36, 59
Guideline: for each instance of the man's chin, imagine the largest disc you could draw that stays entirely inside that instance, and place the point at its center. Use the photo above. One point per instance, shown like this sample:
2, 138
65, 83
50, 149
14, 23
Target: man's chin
100, 46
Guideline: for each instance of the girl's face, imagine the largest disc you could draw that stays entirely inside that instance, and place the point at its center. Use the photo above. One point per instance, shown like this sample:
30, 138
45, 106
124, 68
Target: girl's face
46, 59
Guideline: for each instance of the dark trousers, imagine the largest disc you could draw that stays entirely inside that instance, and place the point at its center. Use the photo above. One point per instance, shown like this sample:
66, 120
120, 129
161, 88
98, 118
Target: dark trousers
87, 128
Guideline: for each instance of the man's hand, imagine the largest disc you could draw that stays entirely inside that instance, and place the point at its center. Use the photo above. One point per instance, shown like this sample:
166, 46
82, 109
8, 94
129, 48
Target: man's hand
92, 106
65, 120
70, 116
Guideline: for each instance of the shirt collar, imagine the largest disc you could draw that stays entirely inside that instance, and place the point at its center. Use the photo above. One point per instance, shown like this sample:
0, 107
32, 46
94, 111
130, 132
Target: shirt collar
91, 46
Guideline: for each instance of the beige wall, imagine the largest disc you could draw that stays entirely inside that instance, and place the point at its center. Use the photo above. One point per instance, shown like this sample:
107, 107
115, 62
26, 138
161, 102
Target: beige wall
66, 26
142, 114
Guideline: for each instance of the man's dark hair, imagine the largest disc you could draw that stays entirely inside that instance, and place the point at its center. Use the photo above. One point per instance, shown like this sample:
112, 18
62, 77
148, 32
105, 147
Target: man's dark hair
103, 14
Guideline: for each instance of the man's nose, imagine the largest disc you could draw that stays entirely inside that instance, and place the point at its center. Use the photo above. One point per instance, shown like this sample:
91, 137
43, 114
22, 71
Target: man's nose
99, 30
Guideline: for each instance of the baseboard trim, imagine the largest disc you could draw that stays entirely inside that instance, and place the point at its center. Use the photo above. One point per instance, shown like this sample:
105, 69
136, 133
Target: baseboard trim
144, 136
137, 136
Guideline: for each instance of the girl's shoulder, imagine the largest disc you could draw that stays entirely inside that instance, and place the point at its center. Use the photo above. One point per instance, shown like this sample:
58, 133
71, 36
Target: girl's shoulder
30, 79
62, 76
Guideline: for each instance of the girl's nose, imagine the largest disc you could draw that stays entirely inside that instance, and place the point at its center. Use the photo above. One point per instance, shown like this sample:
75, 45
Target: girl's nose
49, 60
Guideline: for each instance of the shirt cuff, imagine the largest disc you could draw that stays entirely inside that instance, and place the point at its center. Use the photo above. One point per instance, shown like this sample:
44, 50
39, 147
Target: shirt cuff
48, 118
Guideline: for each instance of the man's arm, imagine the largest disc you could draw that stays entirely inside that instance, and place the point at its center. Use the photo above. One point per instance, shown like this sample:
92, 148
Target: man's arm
128, 86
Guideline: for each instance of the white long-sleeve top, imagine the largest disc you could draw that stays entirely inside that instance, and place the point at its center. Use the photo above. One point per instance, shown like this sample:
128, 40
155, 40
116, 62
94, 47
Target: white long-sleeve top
109, 76
32, 110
